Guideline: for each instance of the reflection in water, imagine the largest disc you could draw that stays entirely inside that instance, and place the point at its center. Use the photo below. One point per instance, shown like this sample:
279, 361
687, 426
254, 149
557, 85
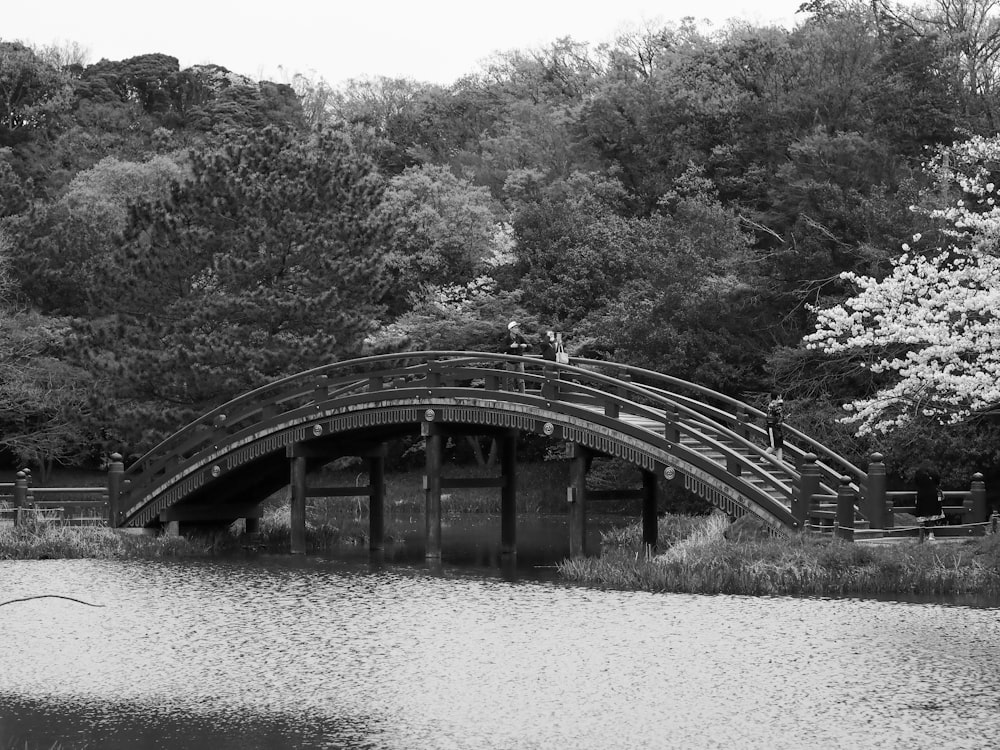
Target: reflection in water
273, 652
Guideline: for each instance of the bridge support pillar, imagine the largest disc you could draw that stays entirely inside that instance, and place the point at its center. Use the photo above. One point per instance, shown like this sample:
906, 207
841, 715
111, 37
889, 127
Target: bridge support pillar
433, 450
650, 529
508, 493
376, 502
576, 496
298, 509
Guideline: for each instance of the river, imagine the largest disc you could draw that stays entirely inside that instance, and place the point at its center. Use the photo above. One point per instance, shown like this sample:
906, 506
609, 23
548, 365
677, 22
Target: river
392, 652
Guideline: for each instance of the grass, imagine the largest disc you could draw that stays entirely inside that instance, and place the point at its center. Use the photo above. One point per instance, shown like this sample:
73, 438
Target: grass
701, 559
45, 541
329, 522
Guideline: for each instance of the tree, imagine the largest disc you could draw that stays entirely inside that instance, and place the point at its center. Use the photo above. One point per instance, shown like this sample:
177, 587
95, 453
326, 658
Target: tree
685, 307
929, 331
263, 264
45, 403
65, 248
32, 92
967, 35
442, 231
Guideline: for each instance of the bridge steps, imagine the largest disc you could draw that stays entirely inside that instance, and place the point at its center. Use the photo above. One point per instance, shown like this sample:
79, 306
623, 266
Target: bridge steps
769, 484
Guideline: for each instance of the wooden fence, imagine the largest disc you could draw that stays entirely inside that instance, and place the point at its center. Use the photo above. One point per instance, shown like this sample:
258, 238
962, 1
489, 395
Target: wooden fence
20, 503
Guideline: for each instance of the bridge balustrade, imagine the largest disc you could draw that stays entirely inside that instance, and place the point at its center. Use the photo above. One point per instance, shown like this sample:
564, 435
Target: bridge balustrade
715, 440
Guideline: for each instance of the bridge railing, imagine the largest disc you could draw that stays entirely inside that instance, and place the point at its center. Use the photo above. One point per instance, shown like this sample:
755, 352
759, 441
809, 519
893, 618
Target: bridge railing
68, 506
580, 382
742, 419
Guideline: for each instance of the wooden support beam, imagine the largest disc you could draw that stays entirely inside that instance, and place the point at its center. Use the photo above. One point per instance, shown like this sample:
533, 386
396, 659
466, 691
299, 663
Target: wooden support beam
449, 483
349, 491
433, 449
508, 493
208, 512
333, 447
650, 527
376, 502
624, 494
576, 496
298, 502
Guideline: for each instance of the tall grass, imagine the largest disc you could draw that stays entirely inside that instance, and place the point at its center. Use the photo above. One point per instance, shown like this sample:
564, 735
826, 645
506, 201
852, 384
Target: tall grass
43, 541
706, 562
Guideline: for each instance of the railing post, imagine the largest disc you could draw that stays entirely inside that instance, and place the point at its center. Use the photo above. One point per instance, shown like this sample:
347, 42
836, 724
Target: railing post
875, 495
670, 429
846, 498
116, 471
743, 418
20, 495
977, 493
808, 486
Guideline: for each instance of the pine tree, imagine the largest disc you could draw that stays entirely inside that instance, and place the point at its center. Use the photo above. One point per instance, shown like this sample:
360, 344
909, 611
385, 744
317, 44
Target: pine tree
264, 263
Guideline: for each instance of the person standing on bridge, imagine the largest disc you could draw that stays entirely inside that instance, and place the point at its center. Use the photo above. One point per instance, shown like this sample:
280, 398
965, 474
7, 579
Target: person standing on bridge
548, 346
930, 499
775, 419
515, 343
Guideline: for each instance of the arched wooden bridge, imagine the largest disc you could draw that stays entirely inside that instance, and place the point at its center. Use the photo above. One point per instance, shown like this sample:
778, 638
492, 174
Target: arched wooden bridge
221, 466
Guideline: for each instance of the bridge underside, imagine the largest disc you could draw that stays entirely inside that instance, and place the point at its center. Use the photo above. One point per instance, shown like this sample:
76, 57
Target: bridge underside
232, 480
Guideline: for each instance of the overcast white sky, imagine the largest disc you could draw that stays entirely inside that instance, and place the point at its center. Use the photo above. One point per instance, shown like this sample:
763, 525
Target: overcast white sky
426, 40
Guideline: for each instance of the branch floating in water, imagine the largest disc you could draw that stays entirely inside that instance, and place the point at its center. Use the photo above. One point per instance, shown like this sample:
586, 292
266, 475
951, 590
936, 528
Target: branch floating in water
50, 596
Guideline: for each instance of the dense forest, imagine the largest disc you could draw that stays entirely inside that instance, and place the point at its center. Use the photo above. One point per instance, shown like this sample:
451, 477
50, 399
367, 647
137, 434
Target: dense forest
683, 199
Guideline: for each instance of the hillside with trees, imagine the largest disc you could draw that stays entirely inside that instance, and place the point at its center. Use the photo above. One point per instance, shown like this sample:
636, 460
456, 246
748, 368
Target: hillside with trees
745, 207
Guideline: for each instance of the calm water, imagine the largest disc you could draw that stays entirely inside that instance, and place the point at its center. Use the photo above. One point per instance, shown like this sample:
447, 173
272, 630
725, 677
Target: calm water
275, 652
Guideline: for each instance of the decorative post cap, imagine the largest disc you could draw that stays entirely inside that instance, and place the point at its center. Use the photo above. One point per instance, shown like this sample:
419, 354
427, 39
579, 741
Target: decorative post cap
877, 458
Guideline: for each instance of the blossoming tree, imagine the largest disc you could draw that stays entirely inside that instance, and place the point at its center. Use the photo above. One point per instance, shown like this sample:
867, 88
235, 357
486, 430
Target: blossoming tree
930, 329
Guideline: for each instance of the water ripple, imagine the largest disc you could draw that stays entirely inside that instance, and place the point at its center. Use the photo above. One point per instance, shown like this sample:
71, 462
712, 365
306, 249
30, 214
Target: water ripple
321, 654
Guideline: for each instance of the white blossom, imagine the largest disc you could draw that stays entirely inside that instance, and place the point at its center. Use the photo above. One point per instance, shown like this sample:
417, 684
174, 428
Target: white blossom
932, 323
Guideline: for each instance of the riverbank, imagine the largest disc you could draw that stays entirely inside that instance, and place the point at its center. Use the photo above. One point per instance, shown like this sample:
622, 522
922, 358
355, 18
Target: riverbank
702, 555
48, 541
698, 555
